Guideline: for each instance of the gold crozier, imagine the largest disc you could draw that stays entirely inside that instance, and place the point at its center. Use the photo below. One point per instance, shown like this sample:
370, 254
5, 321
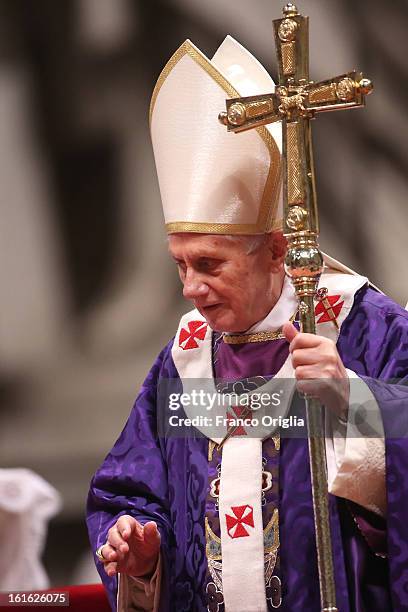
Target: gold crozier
295, 102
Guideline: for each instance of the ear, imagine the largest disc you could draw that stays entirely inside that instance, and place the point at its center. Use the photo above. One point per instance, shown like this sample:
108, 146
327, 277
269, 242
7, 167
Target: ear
277, 246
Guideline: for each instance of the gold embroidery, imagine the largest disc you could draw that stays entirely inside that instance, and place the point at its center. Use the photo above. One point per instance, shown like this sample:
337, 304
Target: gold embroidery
211, 446
258, 337
175, 227
213, 543
262, 336
276, 441
271, 533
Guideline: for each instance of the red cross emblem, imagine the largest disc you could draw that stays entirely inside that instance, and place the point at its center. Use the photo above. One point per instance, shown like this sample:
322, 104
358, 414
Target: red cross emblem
241, 412
329, 306
243, 515
188, 337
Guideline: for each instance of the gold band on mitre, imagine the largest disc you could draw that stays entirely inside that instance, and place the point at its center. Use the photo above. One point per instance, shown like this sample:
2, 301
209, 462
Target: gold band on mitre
212, 181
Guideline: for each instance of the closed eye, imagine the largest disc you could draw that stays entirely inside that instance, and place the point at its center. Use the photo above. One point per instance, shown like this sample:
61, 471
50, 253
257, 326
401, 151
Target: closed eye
205, 264
182, 268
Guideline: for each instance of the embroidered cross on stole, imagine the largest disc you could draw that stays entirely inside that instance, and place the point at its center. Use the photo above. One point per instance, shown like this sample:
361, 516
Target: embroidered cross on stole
270, 516
240, 523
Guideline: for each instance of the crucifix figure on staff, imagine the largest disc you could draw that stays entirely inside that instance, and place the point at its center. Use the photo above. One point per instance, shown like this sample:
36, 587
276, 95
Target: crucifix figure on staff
208, 500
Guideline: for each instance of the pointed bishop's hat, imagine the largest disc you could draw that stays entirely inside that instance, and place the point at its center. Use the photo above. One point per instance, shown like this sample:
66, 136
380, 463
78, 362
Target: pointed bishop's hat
212, 181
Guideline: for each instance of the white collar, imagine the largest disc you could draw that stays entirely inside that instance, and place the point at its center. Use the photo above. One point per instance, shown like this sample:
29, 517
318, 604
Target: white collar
281, 312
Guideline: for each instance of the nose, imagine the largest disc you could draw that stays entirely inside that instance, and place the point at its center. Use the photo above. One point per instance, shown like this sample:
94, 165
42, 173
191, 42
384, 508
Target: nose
194, 287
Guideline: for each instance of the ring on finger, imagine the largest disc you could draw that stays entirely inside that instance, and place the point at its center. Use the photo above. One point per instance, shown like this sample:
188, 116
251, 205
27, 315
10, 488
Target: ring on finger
99, 554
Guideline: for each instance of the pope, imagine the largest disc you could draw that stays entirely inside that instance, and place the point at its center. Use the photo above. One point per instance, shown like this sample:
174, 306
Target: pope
221, 518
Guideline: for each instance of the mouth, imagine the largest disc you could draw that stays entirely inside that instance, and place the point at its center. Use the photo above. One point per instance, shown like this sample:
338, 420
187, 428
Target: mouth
209, 309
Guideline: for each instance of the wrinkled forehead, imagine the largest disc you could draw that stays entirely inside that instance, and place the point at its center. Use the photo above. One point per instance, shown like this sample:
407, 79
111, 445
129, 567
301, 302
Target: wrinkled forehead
203, 245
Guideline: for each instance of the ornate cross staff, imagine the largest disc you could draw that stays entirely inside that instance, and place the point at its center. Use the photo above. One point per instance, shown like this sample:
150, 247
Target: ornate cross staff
295, 102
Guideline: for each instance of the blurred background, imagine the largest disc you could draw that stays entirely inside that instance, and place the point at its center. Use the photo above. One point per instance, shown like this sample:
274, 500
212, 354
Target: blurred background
88, 295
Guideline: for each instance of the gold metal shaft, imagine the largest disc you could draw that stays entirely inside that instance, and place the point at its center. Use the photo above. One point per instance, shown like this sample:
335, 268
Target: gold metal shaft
295, 102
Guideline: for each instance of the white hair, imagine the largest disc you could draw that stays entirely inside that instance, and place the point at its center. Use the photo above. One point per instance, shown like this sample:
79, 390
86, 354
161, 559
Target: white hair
251, 243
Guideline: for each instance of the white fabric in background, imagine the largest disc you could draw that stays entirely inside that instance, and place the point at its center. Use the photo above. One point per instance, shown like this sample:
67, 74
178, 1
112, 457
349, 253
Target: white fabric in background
27, 503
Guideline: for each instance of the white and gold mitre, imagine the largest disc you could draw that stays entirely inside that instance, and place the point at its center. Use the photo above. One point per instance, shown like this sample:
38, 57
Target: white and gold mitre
212, 181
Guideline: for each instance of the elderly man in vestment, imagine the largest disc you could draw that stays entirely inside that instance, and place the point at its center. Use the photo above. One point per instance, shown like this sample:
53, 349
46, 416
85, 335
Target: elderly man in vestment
221, 518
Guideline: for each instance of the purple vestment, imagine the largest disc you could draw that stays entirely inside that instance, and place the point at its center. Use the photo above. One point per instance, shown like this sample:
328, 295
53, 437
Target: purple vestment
165, 479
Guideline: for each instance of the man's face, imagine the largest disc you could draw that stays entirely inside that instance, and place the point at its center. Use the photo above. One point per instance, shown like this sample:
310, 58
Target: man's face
230, 288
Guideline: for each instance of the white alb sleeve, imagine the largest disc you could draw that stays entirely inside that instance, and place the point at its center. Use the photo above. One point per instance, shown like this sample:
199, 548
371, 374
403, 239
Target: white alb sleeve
356, 451
139, 593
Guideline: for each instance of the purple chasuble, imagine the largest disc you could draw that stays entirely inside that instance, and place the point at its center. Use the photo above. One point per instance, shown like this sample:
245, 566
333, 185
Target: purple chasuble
165, 479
